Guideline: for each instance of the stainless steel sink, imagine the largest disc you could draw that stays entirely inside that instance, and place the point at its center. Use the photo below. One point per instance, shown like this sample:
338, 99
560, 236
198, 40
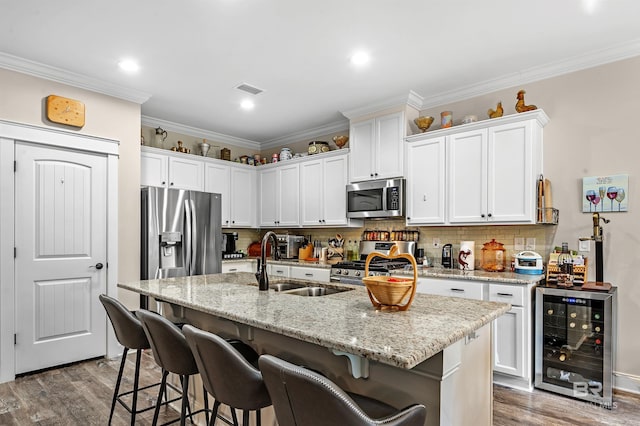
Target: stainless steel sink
286, 286
315, 291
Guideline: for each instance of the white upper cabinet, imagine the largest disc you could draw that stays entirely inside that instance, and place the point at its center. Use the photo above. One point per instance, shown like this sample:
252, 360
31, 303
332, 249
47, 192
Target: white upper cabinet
172, 170
425, 173
376, 147
493, 169
237, 185
323, 199
280, 196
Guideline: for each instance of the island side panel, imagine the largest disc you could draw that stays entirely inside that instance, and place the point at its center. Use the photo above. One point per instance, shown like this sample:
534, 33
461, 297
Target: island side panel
454, 384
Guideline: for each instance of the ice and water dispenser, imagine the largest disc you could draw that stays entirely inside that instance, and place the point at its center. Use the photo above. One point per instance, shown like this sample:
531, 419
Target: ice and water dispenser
171, 250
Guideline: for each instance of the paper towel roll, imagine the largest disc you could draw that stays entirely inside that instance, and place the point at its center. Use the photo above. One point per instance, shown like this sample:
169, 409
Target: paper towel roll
466, 256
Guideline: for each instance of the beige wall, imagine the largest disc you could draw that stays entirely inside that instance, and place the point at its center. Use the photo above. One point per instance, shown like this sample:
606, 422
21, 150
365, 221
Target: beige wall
22, 101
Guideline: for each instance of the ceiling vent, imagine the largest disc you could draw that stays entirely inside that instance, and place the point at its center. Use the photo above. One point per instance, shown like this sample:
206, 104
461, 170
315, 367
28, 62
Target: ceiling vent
249, 89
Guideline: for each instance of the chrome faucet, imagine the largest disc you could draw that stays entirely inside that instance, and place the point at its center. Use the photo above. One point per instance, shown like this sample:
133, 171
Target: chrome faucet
261, 275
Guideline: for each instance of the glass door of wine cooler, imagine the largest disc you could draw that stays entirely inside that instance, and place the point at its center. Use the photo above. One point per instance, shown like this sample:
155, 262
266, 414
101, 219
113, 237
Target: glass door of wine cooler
575, 333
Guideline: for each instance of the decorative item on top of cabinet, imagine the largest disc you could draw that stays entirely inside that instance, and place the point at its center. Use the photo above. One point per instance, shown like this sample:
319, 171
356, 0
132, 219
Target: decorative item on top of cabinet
340, 141
180, 148
446, 119
423, 122
160, 136
498, 111
520, 105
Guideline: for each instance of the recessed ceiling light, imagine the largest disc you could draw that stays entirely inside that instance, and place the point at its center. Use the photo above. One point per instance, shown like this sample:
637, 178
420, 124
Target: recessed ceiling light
128, 65
590, 6
247, 105
360, 58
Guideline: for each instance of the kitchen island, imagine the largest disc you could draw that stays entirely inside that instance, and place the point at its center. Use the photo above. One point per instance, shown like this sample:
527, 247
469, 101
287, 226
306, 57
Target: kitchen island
437, 353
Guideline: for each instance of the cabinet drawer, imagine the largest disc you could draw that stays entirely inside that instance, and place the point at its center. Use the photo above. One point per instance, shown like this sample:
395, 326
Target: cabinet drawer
515, 295
453, 288
244, 266
278, 270
315, 274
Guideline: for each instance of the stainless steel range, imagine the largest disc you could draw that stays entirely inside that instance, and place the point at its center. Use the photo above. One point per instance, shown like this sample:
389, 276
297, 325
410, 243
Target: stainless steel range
353, 272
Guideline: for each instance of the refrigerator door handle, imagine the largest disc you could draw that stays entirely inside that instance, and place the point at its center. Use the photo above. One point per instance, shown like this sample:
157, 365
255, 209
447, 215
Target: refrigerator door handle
193, 242
188, 233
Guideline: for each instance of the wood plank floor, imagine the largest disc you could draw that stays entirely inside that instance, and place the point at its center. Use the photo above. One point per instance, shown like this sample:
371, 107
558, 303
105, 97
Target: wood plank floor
80, 394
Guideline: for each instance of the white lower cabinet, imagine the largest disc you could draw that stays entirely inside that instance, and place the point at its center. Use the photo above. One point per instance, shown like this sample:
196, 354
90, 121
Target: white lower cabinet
512, 332
275, 270
310, 273
238, 266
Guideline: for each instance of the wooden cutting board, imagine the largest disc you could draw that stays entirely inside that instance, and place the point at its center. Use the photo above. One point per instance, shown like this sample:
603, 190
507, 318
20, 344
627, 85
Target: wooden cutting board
548, 202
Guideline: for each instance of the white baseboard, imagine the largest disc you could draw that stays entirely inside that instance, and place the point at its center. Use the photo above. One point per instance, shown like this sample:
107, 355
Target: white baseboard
626, 382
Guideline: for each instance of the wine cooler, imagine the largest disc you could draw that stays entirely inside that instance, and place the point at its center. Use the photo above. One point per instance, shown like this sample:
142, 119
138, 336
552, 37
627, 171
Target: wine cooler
575, 339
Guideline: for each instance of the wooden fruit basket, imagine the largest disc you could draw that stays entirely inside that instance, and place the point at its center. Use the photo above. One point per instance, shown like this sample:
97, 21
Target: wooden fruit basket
388, 293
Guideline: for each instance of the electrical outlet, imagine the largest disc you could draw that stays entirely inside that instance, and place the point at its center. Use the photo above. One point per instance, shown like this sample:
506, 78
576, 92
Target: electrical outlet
436, 242
518, 244
530, 244
584, 245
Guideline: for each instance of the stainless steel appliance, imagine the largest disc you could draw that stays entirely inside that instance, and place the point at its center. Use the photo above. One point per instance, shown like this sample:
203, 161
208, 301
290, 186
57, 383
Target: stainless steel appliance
447, 256
229, 250
353, 272
378, 198
181, 233
288, 245
575, 339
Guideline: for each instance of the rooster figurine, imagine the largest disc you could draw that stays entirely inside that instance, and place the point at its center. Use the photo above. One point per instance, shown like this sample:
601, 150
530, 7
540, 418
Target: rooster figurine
520, 106
497, 113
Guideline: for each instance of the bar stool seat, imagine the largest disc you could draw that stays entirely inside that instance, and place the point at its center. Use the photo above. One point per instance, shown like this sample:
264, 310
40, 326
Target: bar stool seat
228, 373
172, 353
304, 397
129, 332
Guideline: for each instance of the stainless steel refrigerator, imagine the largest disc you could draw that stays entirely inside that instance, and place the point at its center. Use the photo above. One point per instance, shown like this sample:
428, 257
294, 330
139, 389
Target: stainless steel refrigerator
181, 233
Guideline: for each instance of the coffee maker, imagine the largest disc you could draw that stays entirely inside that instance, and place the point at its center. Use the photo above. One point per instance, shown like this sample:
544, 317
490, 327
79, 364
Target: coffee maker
229, 245
447, 256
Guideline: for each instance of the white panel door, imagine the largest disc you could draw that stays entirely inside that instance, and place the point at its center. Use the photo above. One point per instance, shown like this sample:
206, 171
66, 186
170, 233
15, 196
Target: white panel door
269, 193
217, 180
243, 197
426, 181
467, 160
289, 208
389, 153
362, 146
509, 344
311, 197
61, 255
153, 169
336, 176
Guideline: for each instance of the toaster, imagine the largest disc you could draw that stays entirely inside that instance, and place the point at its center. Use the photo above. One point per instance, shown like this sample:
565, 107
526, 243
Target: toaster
528, 262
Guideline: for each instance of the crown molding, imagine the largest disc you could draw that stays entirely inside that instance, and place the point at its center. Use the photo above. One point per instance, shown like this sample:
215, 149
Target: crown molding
337, 126
69, 78
199, 133
554, 69
413, 99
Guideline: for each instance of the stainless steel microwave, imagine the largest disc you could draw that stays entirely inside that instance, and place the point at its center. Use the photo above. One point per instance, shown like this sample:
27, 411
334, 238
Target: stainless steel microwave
378, 198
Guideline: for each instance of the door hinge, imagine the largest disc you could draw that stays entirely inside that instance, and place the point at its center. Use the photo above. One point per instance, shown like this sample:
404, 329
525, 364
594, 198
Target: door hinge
15, 166
15, 252
15, 339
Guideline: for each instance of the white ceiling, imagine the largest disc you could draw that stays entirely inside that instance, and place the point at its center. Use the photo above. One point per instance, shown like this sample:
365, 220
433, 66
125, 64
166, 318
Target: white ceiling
193, 53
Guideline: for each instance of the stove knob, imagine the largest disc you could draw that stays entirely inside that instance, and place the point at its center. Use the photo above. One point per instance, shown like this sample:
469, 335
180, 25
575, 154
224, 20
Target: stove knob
338, 271
345, 272
357, 274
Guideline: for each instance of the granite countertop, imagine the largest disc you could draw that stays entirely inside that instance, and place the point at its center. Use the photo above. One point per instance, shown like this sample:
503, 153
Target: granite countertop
344, 321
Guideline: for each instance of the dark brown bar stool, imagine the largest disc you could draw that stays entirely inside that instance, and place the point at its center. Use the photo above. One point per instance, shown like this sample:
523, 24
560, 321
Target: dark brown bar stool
303, 397
171, 352
129, 332
228, 374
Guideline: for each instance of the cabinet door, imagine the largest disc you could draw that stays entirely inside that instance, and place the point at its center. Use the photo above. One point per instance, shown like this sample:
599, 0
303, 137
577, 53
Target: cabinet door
511, 178
243, 197
388, 148
336, 175
217, 180
313, 184
268, 197
362, 144
508, 343
289, 208
153, 169
426, 181
467, 160
185, 173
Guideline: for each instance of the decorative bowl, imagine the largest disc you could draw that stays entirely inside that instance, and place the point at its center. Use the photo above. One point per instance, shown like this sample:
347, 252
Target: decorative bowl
340, 141
423, 122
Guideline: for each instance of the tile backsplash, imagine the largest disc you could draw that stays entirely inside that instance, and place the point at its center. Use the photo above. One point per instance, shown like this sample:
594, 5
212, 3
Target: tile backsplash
505, 234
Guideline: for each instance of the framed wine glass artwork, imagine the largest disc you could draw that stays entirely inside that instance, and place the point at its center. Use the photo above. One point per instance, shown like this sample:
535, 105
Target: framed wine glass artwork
605, 194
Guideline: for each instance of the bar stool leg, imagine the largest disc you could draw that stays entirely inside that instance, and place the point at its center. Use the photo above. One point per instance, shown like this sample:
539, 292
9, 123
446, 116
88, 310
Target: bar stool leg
258, 420
206, 405
136, 380
233, 415
245, 417
117, 389
163, 384
214, 414
185, 401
